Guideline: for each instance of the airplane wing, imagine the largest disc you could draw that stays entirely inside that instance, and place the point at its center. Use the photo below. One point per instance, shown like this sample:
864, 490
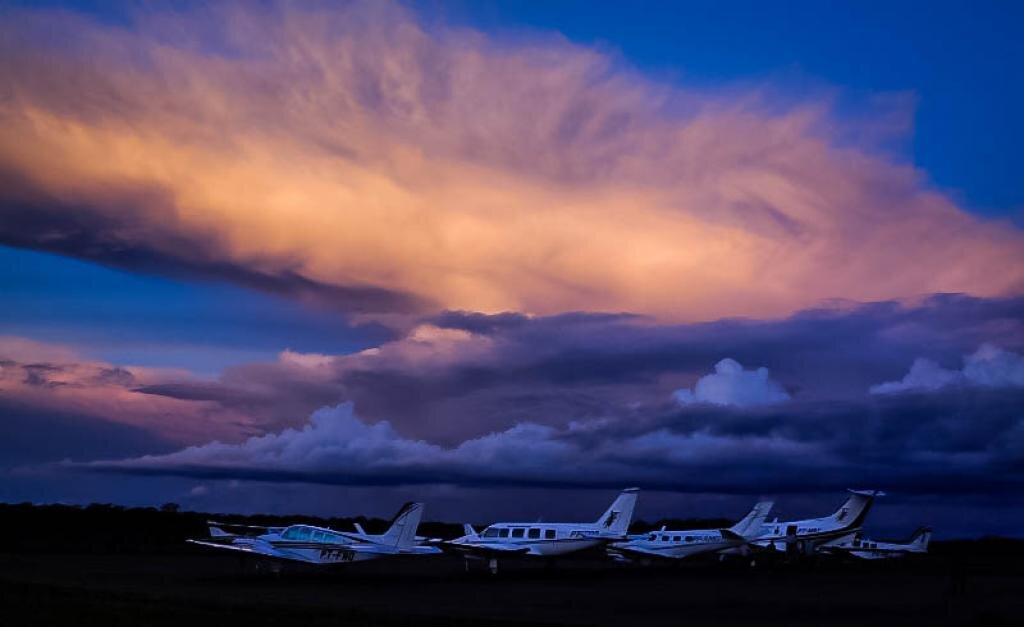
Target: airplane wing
642, 552
219, 545
490, 549
248, 549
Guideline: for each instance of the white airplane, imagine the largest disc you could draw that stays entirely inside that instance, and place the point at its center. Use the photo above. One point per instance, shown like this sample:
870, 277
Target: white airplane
321, 546
804, 536
541, 539
856, 545
679, 544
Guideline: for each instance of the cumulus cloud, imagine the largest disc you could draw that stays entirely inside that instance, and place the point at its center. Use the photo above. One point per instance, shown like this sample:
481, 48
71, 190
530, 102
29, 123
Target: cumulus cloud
348, 153
913, 443
989, 366
337, 442
730, 384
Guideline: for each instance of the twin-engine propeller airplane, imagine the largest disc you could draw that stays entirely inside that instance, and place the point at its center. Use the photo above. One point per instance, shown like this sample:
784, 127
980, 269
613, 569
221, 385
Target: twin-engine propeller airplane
679, 544
324, 547
856, 545
545, 539
805, 536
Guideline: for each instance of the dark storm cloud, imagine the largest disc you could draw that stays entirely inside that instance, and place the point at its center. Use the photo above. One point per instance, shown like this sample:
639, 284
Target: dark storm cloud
586, 400
483, 373
33, 436
963, 441
114, 235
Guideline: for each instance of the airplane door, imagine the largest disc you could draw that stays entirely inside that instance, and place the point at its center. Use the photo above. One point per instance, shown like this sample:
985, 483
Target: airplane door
791, 545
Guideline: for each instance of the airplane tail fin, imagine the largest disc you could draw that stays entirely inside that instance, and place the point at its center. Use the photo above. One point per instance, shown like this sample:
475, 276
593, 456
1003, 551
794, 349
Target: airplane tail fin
468, 530
750, 525
921, 539
402, 532
619, 515
852, 513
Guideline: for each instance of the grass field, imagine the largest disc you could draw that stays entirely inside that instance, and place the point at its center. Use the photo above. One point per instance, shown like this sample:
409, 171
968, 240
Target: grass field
195, 588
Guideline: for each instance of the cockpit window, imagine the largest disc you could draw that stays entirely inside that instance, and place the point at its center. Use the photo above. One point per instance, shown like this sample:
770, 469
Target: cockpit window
297, 533
491, 532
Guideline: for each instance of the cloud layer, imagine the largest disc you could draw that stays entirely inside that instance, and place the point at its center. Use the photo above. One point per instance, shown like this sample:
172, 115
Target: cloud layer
347, 154
908, 445
460, 376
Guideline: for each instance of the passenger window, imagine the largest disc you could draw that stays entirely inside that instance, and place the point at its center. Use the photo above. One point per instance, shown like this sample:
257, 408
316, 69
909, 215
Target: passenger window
653, 537
305, 533
689, 538
518, 533
318, 536
534, 533
549, 534
664, 538
503, 533
676, 538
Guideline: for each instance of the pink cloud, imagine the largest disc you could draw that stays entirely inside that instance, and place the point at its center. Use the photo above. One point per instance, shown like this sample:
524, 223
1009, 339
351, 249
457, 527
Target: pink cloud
353, 148
48, 377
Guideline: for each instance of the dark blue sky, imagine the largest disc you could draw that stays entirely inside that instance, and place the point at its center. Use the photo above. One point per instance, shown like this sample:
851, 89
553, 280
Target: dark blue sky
131, 318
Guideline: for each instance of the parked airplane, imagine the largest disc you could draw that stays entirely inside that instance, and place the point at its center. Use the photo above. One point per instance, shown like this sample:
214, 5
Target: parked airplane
680, 544
545, 539
321, 546
856, 545
804, 536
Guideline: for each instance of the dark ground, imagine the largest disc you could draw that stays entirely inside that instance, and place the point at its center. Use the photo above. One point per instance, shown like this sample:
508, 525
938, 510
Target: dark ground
166, 583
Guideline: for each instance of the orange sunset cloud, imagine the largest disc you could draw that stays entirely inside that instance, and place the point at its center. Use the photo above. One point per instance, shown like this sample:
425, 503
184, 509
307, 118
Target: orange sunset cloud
358, 149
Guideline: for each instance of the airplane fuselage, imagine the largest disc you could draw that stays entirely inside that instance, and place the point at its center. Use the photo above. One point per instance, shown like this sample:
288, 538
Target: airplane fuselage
677, 544
539, 539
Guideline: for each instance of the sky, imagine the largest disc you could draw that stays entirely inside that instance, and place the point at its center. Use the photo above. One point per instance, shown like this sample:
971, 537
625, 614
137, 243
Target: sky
507, 258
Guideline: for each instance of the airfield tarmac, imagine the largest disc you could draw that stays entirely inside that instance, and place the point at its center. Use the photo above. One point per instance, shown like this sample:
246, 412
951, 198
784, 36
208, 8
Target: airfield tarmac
196, 588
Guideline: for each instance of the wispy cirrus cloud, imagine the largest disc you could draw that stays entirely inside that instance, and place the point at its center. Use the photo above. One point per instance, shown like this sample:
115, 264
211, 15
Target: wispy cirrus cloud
348, 154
